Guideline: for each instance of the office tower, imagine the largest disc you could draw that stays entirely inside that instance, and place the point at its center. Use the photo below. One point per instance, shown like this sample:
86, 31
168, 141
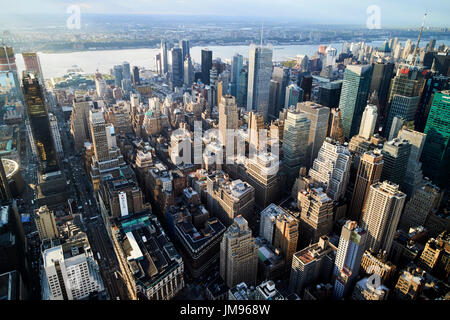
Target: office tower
413, 176
305, 83
436, 152
229, 199
274, 99
410, 284
259, 75
184, 45
294, 94
318, 115
295, 143
312, 264
40, 124
435, 256
255, 126
406, 89
267, 291
332, 168
70, 271
188, 72
176, 67
241, 95
355, 91
55, 133
329, 93
365, 290
369, 173
158, 63
164, 60
348, 258
228, 120
46, 224
126, 71
7, 59
424, 200
118, 75
238, 254
236, 67
382, 214
336, 131
286, 236
79, 122
12, 287
135, 76
395, 155
100, 85
397, 124
368, 122
281, 76
316, 215
268, 218
381, 79
330, 56
32, 63
206, 66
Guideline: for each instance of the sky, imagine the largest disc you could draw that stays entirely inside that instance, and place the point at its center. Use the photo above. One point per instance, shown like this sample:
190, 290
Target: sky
394, 13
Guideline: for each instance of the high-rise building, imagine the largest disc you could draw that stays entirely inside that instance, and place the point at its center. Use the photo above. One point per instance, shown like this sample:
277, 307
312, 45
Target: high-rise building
410, 284
395, 155
184, 45
79, 122
5, 190
382, 214
176, 67
355, 91
332, 168
295, 142
312, 264
281, 76
206, 65
228, 119
236, 67
241, 94
381, 79
405, 91
436, 152
100, 85
365, 290
435, 257
238, 254
259, 75
46, 223
32, 63
70, 271
188, 72
40, 124
316, 215
294, 94
369, 173
423, 201
348, 258
135, 76
318, 115
55, 133
7, 59
329, 93
164, 60
118, 75
368, 122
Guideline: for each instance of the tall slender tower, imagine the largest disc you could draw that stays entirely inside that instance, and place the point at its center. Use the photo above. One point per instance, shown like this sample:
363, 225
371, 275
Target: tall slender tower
259, 75
348, 258
228, 117
368, 122
206, 65
382, 214
369, 173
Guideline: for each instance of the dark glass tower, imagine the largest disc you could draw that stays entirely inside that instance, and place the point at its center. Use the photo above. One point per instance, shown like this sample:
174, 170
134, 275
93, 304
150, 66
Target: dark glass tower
381, 80
40, 124
206, 65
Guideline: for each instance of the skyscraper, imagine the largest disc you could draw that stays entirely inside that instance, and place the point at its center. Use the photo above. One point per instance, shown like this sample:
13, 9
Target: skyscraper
295, 143
206, 65
369, 173
176, 67
336, 131
238, 254
281, 76
241, 94
184, 45
395, 155
368, 122
228, 119
236, 67
436, 152
79, 122
382, 214
46, 224
348, 258
40, 124
259, 75
118, 75
188, 72
381, 79
164, 61
32, 63
329, 93
318, 115
355, 90
332, 168
294, 94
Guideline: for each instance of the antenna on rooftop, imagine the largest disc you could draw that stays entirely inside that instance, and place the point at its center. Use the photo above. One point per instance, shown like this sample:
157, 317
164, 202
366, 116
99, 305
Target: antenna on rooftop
416, 50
